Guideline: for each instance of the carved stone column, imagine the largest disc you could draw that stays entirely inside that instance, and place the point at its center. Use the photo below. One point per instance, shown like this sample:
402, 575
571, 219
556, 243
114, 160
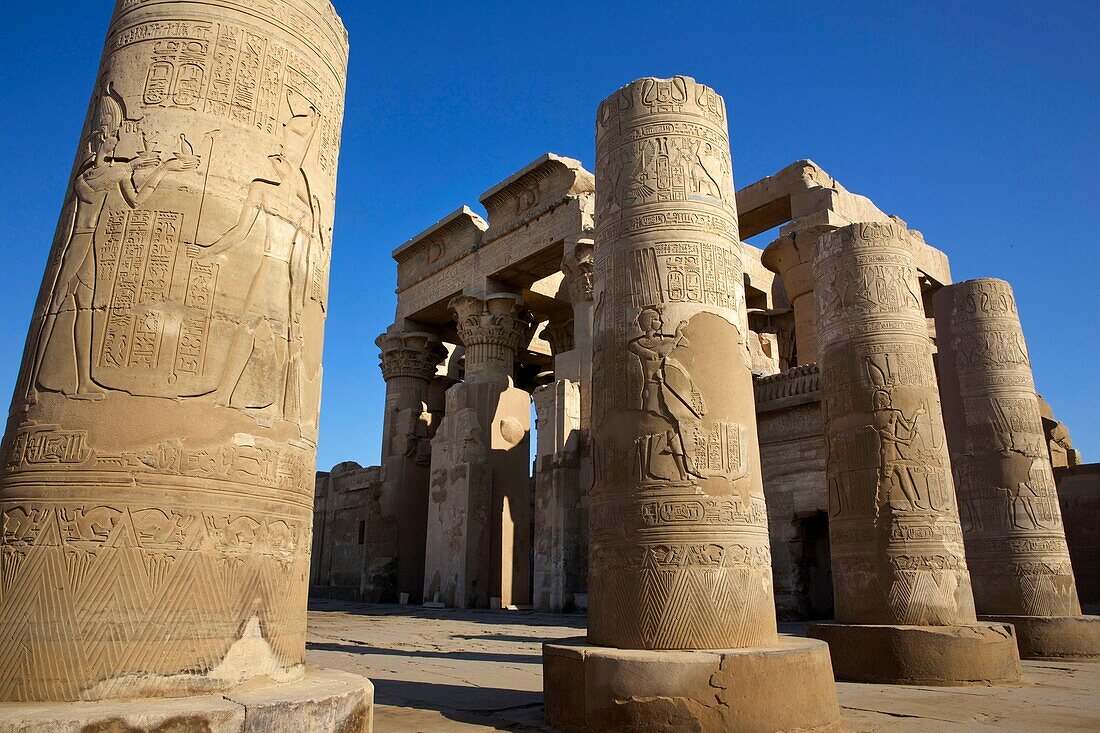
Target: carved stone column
559, 538
563, 468
409, 360
493, 329
679, 556
1012, 524
479, 517
789, 256
158, 465
904, 608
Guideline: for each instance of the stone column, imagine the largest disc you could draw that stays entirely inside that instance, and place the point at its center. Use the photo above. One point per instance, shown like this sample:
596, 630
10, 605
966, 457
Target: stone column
479, 518
1012, 524
789, 256
158, 465
557, 534
904, 608
678, 544
563, 466
409, 360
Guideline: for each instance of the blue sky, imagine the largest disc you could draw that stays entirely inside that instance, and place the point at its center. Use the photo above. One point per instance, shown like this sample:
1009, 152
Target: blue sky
974, 122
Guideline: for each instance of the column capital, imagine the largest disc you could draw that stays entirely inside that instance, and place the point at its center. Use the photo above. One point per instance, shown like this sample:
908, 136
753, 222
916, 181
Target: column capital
499, 320
409, 354
559, 334
577, 265
790, 256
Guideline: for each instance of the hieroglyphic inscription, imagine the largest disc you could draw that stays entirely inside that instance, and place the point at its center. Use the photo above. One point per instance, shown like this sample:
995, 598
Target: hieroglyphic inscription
1007, 495
141, 246
199, 300
235, 74
47, 445
889, 482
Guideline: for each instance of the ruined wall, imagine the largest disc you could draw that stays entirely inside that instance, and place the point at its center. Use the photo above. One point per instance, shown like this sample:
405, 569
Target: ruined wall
792, 459
354, 543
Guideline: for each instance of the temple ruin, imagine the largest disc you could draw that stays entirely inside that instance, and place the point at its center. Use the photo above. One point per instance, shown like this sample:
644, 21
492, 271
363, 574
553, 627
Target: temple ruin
537, 243
600, 398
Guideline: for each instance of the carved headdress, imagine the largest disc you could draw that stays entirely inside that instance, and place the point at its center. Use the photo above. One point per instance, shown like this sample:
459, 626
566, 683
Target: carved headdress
298, 133
108, 125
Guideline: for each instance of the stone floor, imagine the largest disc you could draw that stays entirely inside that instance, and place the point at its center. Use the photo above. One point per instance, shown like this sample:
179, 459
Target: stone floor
439, 671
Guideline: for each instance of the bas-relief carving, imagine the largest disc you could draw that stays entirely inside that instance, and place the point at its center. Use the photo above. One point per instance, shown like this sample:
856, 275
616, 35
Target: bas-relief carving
134, 320
133, 307
1007, 495
894, 527
669, 394
669, 328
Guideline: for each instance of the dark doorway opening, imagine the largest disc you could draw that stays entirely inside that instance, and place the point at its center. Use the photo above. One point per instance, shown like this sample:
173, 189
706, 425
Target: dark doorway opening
815, 578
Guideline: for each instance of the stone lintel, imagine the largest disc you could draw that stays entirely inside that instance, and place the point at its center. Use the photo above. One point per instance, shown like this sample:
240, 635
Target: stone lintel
517, 260
530, 192
803, 195
448, 240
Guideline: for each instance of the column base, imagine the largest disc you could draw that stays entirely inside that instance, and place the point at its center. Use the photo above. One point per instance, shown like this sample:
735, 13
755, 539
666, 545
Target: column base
786, 687
322, 701
979, 654
1055, 637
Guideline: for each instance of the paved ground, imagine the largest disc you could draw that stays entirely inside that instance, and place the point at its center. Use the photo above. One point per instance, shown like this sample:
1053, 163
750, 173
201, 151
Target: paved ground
464, 671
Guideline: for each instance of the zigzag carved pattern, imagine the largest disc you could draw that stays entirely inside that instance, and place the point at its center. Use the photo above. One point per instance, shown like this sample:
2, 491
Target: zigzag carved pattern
77, 613
685, 608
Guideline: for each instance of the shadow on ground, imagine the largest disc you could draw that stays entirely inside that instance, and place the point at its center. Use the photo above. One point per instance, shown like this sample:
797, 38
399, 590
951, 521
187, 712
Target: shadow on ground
479, 615
357, 648
502, 709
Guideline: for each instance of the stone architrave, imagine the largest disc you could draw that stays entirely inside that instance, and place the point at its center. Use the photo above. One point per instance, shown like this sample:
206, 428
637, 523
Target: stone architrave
1008, 503
156, 485
678, 544
479, 516
904, 608
409, 360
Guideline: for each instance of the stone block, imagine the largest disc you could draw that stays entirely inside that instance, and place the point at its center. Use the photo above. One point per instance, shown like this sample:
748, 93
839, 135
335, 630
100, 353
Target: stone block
975, 654
324, 701
1054, 637
785, 687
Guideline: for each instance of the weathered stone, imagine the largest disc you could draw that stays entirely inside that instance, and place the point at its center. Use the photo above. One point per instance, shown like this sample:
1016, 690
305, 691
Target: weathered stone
1079, 498
792, 458
982, 653
158, 464
409, 360
678, 548
479, 519
559, 543
594, 688
896, 544
791, 257
1012, 524
323, 701
354, 542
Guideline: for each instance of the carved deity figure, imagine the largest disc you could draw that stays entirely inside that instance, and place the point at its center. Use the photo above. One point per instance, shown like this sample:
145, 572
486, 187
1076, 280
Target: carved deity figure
668, 392
898, 456
101, 174
269, 337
